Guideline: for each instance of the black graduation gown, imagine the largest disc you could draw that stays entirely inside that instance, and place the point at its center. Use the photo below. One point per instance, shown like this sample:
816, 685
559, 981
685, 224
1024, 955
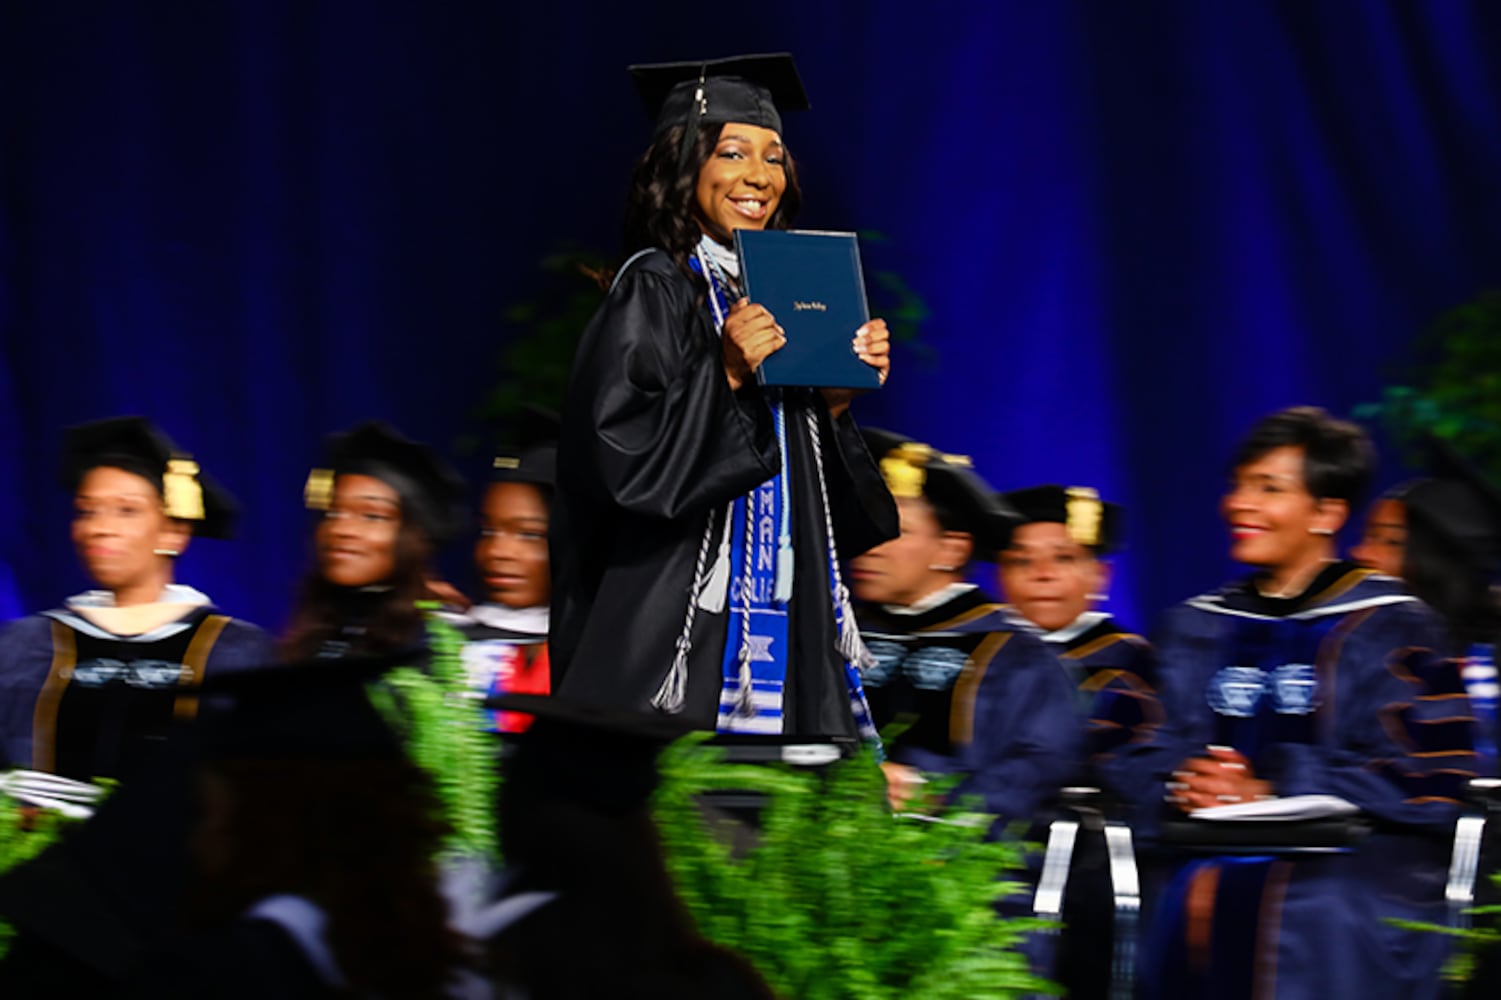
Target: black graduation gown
653, 445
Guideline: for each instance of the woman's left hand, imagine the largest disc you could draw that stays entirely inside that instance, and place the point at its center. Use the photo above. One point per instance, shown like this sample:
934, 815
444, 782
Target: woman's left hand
873, 346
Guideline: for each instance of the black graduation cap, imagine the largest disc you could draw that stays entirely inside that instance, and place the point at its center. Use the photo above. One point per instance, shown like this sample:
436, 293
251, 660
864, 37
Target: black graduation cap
599, 756
1458, 502
320, 709
535, 459
913, 469
432, 492
1090, 521
105, 895
751, 89
138, 446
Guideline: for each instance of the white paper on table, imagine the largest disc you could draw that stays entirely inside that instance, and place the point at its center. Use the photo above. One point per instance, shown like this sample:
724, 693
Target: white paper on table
1293, 807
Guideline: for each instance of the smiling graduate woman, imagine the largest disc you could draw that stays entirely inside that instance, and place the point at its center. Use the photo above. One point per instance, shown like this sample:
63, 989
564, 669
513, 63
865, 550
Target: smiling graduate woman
92, 688
700, 518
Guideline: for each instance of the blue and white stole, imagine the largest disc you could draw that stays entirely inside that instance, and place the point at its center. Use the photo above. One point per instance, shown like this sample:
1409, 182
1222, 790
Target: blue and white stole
754, 570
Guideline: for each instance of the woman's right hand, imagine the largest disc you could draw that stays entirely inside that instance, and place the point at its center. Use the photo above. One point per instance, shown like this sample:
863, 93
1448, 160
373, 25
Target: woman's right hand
750, 336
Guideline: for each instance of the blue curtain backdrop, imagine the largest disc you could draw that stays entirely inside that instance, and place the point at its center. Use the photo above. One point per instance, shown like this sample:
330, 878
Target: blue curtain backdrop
1138, 226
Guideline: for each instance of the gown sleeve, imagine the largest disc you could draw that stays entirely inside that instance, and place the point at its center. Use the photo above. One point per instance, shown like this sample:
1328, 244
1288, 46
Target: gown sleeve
1403, 749
25, 658
242, 646
1023, 731
666, 436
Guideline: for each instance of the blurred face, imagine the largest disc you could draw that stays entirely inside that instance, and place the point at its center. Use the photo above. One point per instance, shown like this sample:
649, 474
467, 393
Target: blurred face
118, 527
921, 560
1048, 577
356, 540
1275, 522
512, 550
1383, 545
741, 184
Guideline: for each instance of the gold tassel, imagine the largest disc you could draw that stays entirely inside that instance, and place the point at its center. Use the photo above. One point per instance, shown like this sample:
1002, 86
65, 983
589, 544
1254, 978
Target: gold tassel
905, 469
1084, 512
318, 494
182, 496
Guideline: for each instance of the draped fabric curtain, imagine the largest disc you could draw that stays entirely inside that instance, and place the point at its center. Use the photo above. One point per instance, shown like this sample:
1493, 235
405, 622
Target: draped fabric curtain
1137, 227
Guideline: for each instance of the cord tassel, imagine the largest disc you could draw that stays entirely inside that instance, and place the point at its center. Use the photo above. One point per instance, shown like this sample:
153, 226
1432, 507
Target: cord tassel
715, 592
783, 593
674, 690
744, 707
851, 646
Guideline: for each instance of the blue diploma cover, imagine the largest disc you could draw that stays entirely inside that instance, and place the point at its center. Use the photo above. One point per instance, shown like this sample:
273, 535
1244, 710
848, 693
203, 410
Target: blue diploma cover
812, 283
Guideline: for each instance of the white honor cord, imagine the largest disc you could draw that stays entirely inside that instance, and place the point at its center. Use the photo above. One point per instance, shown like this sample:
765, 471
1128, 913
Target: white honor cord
849, 643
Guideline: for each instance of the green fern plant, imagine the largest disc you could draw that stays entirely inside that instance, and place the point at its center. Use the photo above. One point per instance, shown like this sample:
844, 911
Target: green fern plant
838, 899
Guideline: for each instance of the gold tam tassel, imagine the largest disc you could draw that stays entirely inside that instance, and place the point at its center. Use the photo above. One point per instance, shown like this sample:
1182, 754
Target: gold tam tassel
318, 494
905, 469
1084, 515
182, 496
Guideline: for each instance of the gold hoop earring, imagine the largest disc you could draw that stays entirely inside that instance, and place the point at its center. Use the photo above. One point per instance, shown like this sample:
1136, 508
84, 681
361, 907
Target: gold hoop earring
166, 552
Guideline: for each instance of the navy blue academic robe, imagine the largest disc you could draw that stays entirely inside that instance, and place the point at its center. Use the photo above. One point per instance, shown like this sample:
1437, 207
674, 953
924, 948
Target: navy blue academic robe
1338, 691
82, 702
985, 698
1113, 672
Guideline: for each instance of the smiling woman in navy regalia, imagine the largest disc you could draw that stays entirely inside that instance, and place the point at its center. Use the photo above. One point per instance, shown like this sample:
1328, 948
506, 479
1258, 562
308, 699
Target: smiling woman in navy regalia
1311, 676
1054, 573
91, 689
701, 519
984, 697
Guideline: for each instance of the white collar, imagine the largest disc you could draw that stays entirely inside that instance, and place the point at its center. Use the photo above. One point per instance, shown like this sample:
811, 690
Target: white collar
1075, 628
933, 600
532, 621
720, 256
173, 593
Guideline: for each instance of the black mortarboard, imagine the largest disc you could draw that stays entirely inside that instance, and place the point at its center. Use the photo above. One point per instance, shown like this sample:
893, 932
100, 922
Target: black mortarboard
601, 757
1458, 502
319, 709
913, 469
751, 89
1090, 521
432, 492
138, 446
535, 459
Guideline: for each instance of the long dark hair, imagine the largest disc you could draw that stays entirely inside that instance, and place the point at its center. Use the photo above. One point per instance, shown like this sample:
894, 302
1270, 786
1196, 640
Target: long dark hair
662, 209
356, 837
1438, 570
390, 618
